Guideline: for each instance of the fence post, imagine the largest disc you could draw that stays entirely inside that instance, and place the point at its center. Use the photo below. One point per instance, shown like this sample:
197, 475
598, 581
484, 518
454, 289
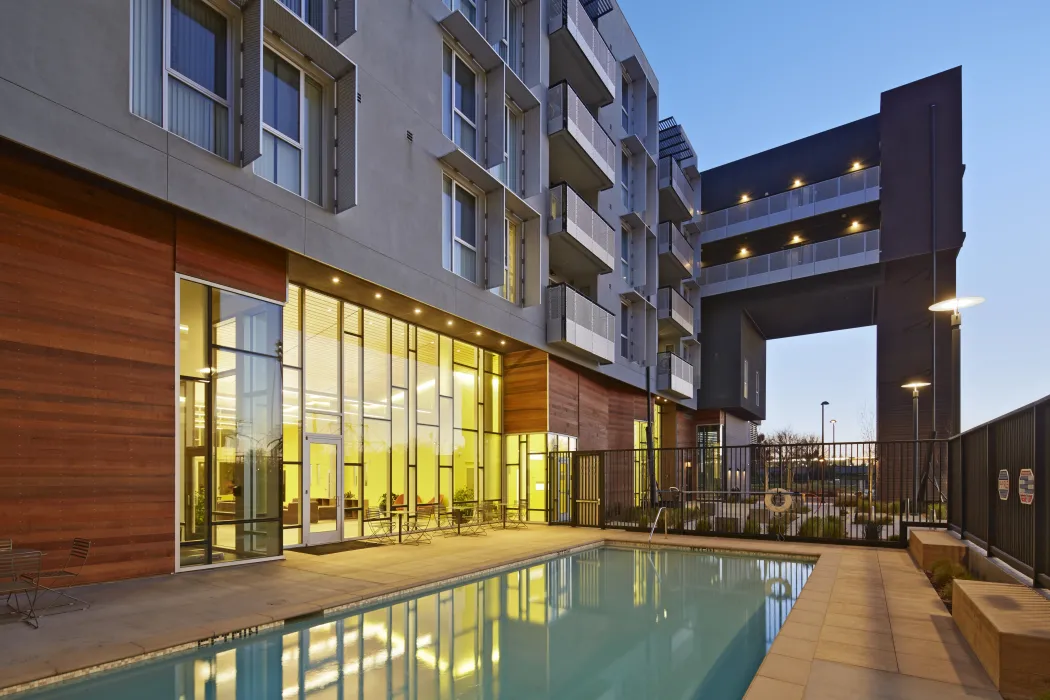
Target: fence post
574, 488
962, 487
992, 479
601, 489
1040, 563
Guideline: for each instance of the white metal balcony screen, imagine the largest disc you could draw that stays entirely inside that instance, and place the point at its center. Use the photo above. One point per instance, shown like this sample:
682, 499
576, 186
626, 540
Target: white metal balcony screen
570, 213
671, 304
566, 111
671, 175
577, 321
570, 14
671, 240
826, 256
843, 191
674, 374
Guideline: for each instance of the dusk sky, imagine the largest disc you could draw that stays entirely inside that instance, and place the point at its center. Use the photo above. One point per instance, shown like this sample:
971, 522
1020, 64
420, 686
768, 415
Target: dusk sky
748, 75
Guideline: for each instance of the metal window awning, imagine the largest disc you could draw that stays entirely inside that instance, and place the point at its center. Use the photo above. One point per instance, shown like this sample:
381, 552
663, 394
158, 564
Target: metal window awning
460, 161
468, 36
297, 34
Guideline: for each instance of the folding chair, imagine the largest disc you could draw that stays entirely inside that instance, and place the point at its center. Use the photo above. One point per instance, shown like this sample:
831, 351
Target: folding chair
515, 516
418, 531
380, 525
75, 560
20, 574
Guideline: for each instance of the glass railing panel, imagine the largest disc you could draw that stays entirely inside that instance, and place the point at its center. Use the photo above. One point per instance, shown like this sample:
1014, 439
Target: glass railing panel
756, 266
851, 245
825, 190
736, 269
779, 202
851, 182
778, 260
825, 250
872, 240
760, 207
716, 219
737, 214
871, 176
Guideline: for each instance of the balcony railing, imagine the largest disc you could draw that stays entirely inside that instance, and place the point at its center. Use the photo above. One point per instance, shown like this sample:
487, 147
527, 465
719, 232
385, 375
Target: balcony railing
567, 113
673, 312
579, 236
576, 322
813, 259
840, 192
677, 203
674, 375
676, 255
599, 87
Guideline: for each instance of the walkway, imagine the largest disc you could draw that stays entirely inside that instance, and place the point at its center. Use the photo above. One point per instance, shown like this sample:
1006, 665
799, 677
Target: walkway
866, 625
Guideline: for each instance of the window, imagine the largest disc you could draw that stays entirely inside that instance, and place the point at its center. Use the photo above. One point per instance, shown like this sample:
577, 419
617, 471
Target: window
758, 399
625, 177
625, 325
625, 101
511, 259
512, 150
460, 115
310, 11
180, 79
469, 8
292, 124
514, 34
459, 229
625, 253
745, 378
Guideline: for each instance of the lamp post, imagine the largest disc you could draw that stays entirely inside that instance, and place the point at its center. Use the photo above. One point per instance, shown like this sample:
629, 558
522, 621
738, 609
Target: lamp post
915, 386
833, 422
822, 405
955, 306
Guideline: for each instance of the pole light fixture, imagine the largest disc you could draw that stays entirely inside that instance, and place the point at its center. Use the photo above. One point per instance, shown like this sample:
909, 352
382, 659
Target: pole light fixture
833, 422
955, 306
915, 386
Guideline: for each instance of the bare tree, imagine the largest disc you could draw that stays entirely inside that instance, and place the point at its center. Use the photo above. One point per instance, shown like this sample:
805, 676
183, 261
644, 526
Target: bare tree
788, 436
866, 421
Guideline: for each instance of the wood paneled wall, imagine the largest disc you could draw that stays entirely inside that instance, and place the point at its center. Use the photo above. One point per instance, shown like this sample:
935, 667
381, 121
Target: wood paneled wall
599, 411
525, 392
87, 353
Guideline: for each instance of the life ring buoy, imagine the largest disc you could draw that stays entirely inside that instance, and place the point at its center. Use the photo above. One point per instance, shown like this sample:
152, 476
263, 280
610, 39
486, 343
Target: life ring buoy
785, 589
778, 500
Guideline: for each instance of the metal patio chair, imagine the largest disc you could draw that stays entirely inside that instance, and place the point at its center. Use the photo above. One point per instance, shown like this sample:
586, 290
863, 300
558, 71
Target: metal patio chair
75, 560
20, 575
380, 526
418, 531
516, 516
476, 523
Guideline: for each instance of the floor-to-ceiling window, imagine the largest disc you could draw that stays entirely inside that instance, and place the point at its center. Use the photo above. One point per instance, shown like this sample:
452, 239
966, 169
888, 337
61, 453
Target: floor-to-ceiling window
527, 478
229, 445
419, 413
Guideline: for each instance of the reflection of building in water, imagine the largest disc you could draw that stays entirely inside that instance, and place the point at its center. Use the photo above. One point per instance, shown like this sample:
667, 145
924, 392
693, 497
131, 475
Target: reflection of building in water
602, 624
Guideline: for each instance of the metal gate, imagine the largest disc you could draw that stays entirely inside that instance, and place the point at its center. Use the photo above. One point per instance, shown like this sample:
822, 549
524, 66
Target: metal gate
576, 483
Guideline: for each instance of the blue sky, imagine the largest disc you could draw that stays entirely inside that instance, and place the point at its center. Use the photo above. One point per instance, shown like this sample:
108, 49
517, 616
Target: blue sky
744, 76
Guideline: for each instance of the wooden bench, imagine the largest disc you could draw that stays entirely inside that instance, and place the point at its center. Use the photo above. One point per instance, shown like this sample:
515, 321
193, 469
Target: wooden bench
1008, 628
928, 546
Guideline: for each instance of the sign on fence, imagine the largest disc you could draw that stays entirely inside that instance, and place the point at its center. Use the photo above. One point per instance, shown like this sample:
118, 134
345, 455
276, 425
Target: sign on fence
1004, 485
1026, 486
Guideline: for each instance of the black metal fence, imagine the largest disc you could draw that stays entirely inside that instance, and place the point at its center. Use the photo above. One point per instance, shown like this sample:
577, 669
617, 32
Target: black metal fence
1000, 479
867, 492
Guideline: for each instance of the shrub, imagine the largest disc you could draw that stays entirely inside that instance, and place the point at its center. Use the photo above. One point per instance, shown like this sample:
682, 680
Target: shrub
778, 525
945, 571
847, 500
703, 524
828, 527
864, 519
937, 511
752, 527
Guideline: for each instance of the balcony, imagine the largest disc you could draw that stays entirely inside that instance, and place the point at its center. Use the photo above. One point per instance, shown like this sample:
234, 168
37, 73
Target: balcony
805, 261
675, 255
578, 324
674, 375
581, 153
676, 195
579, 54
674, 314
838, 193
581, 243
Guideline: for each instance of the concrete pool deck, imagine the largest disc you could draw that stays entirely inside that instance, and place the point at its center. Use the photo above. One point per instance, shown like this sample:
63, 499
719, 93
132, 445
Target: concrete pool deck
867, 624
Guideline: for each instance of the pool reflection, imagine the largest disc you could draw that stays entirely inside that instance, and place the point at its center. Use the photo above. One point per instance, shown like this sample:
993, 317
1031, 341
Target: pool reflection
603, 623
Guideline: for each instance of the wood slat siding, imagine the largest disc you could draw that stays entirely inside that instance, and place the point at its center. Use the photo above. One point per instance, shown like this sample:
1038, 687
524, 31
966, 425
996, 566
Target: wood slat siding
564, 400
599, 411
525, 392
87, 359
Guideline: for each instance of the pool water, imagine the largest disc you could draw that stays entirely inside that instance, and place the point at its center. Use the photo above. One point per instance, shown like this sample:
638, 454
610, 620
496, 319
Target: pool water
602, 624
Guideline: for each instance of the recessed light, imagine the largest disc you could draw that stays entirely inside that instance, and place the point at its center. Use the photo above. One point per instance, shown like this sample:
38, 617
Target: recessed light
477, 333
744, 251
855, 224
798, 183
418, 311
379, 295
856, 165
448, 322
796, 239
503, 342
744, 198
335, 280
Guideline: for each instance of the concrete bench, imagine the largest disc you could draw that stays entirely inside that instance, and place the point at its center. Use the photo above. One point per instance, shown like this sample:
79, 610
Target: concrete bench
1008, 628
928, 546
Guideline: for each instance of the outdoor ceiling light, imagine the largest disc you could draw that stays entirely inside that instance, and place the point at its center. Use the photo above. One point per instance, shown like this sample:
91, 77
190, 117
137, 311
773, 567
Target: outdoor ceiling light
856, 165
796, 239
744, 251
379, 295
855, 224
957, 303
418, 311
744, 198
448, 322
798, 183
335, 280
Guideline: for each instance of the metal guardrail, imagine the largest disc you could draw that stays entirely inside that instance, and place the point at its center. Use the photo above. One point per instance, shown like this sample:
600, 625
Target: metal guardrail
574, 319
867, 492
792, 261
569, 213
565, 110
671, 175
1000, 478
570, 14
669, 368
670, 240
791, 205
672, 305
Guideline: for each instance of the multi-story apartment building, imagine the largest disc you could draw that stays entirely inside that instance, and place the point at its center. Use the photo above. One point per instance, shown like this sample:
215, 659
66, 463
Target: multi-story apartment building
278, 266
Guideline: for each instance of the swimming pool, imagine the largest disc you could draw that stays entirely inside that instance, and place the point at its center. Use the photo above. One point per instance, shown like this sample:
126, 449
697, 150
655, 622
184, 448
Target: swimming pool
604, 623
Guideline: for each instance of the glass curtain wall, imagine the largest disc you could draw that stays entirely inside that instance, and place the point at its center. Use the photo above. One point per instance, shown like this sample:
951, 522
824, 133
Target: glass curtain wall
709, 442
420, 413
229, 442
527, 471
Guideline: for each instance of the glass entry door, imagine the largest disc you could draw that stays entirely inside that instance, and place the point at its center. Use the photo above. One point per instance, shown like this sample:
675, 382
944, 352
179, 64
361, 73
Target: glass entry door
323, 490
